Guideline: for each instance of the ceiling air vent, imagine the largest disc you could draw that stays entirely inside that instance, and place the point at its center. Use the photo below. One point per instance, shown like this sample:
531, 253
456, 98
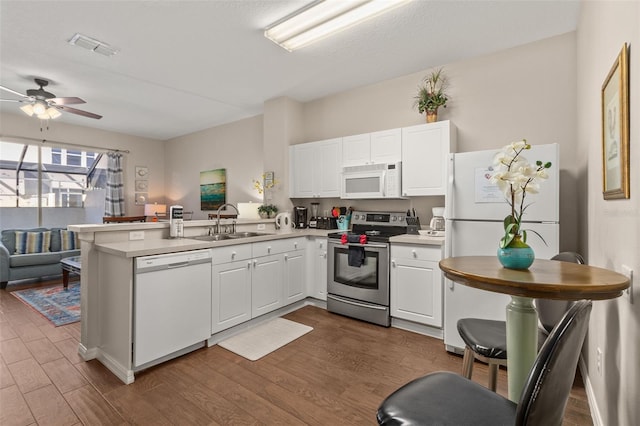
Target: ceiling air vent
92, 44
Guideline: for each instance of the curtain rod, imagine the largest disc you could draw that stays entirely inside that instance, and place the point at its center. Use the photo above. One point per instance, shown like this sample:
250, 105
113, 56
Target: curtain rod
93, 148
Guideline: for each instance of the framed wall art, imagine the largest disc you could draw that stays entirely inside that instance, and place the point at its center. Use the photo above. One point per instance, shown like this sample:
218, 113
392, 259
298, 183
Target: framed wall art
615, 129
213, 189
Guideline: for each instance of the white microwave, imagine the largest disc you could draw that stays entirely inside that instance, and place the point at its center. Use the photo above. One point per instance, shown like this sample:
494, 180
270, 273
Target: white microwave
372, 181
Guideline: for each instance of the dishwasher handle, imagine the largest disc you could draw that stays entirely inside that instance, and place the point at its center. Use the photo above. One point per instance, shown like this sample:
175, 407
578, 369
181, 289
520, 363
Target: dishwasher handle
175, 265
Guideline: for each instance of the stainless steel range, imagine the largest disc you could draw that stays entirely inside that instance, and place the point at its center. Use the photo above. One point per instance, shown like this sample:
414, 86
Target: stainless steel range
358, 266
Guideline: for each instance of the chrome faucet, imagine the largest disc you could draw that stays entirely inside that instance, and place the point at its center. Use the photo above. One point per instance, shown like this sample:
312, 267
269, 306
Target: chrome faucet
218, 217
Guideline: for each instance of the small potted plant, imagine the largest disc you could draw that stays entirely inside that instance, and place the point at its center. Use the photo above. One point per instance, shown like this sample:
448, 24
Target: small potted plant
267, 211
432, 95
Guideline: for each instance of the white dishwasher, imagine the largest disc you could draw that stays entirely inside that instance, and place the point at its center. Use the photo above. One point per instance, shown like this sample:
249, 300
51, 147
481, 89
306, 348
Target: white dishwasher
172, 305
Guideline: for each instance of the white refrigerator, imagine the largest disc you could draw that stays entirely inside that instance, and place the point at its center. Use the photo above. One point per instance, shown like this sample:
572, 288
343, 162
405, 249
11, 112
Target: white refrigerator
474, 215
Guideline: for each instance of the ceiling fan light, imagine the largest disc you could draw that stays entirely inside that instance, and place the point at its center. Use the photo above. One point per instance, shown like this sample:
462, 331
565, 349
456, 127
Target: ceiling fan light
53, 113
27, 109
39, 107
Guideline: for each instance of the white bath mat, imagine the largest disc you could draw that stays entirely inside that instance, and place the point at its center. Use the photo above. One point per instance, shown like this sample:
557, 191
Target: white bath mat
259, 341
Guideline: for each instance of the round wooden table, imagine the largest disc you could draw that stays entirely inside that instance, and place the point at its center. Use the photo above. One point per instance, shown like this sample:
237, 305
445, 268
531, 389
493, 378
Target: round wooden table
545, 279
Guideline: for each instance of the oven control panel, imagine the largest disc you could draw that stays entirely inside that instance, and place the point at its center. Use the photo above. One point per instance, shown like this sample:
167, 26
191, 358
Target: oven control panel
379, 218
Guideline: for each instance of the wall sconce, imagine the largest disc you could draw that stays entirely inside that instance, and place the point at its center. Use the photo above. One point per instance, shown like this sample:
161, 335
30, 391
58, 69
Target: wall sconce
155, 210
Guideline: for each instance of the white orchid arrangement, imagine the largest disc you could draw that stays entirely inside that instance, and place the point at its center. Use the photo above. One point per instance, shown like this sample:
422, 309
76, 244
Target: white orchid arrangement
516, 178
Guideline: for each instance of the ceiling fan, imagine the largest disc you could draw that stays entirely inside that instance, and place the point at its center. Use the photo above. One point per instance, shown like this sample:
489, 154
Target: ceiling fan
46, 105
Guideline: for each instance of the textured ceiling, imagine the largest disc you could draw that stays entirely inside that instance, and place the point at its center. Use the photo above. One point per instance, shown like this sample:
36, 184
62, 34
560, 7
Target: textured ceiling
185, 66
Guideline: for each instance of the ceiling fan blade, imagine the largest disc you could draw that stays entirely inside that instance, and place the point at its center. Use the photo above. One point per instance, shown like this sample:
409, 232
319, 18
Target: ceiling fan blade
11, 100
66, 101
79, 112
13, 91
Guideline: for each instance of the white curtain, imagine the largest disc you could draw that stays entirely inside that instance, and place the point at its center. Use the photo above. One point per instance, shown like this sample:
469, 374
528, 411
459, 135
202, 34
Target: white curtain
114, 200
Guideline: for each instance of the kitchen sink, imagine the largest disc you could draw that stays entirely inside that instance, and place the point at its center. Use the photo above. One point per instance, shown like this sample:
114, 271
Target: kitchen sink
221, 237
246, 234
214, 237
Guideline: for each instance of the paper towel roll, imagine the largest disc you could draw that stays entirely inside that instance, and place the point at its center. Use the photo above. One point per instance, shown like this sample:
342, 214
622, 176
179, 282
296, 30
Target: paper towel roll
248, 210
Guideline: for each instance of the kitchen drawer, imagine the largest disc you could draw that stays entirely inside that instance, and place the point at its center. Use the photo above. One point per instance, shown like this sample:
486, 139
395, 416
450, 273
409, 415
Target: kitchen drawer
267, 248
292, 244
231, 253
416, 252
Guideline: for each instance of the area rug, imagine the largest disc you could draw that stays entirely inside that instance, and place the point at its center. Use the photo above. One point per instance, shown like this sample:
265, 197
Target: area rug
265, 338
58, 305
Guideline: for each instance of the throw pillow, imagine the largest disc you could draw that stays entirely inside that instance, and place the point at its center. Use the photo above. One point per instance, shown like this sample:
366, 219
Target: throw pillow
69, 240
32, 242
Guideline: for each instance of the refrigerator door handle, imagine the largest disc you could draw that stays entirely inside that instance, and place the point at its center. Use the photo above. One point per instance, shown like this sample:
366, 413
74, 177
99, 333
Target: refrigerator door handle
449, 191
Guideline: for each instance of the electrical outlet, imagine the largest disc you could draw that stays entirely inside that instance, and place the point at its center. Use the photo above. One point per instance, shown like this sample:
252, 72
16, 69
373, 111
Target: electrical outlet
136, 235
628, 293
599, 361
261, 227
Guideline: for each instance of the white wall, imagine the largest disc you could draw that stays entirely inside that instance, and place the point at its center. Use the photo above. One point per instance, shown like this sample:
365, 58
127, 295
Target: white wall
236, 147
614, 226
143, 152
525, 92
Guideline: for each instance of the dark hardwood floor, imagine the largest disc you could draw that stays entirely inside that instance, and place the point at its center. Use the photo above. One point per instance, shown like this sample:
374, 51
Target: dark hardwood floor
337, 374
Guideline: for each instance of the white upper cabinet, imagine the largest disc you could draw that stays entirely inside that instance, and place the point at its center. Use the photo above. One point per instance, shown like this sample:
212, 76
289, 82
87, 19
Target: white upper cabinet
356, 150
386, 146
315, 169
425, 156
372, 148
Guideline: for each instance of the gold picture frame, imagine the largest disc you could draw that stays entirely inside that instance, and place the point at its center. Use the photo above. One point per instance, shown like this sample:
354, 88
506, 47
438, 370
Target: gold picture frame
615, 129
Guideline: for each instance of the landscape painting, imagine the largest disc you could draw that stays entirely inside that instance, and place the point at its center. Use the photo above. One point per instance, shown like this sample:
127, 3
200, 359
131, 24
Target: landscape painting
213, 189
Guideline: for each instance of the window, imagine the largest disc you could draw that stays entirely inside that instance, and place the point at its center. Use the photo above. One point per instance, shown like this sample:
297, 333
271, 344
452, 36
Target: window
65, 175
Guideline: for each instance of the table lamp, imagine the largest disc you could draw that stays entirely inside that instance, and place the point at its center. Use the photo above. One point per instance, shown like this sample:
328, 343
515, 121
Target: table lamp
155, 210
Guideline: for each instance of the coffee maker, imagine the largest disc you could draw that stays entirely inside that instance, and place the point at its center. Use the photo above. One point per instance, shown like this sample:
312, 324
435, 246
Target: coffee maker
300, 217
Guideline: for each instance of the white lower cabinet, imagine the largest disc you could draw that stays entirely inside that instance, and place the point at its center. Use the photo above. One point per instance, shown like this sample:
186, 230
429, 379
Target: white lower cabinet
266, 285
294, 276
416, 284
249, 280
230, 287
317, 268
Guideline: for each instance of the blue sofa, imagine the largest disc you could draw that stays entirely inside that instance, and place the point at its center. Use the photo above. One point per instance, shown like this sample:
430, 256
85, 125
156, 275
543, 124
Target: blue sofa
35, 265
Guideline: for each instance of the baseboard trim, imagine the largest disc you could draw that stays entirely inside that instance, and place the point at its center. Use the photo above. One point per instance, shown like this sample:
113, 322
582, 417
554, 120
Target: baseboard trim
121, 373
87, 354
414, 327
591, 396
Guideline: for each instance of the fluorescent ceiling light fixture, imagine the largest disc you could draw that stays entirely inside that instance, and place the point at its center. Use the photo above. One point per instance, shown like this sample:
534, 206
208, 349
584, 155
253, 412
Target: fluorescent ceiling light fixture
323, 18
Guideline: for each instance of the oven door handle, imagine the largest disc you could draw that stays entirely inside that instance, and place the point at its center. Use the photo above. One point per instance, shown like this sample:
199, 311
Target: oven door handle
351, 302
360, 245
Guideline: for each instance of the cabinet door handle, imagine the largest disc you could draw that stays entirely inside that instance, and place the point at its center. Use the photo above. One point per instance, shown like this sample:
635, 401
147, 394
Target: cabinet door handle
295, 245
249, 265
268, 249
324, 255
393, 263
233, 254
255, 262
414, 253
286, 257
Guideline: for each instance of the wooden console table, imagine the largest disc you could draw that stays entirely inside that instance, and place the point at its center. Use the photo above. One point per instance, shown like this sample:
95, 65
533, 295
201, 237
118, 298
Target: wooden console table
546, 279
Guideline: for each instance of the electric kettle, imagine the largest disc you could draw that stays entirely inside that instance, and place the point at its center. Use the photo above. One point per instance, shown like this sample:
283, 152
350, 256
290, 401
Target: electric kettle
283, 221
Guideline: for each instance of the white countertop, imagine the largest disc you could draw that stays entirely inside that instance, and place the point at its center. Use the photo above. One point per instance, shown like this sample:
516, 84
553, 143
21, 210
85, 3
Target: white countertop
161, 246
417, 239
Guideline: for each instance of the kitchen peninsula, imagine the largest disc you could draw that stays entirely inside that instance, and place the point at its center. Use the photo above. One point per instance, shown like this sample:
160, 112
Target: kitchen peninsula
108, 299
